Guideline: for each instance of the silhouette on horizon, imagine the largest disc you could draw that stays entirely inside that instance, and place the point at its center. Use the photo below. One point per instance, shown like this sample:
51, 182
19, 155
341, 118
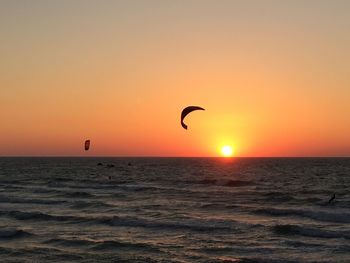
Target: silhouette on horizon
186, 111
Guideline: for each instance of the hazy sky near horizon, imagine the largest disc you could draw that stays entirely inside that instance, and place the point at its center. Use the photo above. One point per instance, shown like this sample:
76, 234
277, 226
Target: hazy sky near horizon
274, 77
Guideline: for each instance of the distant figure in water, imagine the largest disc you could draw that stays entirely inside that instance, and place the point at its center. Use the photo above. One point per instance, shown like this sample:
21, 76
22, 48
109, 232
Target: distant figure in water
99, 164
129, 164
332, 198
109, 177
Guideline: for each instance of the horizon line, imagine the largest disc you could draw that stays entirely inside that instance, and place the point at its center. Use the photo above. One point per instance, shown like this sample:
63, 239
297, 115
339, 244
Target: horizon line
155, 156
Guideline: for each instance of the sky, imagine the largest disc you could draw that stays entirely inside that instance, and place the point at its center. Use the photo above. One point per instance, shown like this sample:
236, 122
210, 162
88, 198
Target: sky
273, 76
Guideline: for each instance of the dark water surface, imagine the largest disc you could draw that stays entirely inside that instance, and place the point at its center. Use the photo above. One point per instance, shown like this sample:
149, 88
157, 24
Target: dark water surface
174, 210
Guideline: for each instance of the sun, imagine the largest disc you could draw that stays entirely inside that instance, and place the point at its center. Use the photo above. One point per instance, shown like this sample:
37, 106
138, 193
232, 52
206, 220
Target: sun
227, 151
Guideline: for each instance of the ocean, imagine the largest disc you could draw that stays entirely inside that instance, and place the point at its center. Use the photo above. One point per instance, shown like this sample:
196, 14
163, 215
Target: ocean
174, 210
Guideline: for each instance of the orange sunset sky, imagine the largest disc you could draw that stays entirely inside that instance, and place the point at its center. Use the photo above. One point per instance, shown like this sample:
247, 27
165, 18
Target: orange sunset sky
273, 76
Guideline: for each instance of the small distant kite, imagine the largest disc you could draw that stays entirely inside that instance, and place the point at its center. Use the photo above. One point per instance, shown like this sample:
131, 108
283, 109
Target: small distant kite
186, 111
87, 145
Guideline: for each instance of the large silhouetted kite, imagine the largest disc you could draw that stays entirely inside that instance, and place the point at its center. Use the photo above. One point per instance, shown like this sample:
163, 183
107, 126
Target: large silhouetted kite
186, 111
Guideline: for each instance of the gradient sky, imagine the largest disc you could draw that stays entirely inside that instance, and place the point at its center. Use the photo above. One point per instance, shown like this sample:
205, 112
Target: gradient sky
274, 77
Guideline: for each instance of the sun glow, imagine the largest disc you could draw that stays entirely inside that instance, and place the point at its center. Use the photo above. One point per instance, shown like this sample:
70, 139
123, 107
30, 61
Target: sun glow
227, 151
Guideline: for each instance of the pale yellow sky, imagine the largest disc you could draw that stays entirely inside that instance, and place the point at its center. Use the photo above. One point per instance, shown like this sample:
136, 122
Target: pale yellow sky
274, 77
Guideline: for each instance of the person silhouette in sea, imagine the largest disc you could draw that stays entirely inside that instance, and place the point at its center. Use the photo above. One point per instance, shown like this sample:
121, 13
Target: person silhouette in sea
332, 198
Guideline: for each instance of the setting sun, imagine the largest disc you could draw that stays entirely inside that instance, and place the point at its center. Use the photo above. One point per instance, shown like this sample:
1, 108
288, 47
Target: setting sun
227, 151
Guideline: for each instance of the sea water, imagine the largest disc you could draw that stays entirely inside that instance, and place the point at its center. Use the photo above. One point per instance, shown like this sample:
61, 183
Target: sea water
174, 210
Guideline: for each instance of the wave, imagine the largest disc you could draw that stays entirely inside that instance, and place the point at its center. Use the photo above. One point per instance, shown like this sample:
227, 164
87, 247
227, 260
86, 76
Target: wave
121, 221
278, 196
193, 226
100, 245
225, 259
42, 190
10, 185
45, 254
95, 185
309, 232
214, 182
16, 200
206, 181
68, 242
237, 183
336, 203
106, 245
62, 179
93, 204
79, 194
218, 206
139, 188
19, 215
315, 215
14, 233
